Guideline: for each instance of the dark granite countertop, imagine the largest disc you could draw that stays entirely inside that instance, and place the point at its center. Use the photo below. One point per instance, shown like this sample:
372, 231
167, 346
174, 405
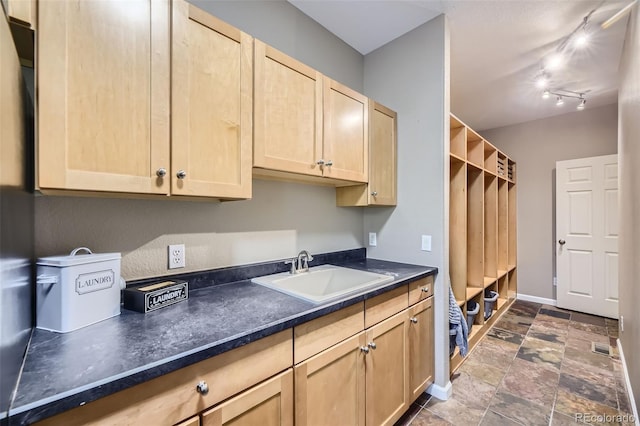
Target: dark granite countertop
64, 371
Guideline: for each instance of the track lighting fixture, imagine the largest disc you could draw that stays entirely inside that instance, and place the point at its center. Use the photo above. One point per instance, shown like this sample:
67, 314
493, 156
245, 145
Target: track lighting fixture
560, 94
582, 103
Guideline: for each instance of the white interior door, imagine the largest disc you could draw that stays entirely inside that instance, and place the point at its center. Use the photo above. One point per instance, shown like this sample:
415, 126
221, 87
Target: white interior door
587, 235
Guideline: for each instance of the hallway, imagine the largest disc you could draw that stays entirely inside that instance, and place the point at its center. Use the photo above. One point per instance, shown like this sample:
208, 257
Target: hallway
539, 365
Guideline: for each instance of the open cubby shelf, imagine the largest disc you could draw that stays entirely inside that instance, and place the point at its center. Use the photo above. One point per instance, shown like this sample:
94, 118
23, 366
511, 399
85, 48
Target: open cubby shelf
482, 226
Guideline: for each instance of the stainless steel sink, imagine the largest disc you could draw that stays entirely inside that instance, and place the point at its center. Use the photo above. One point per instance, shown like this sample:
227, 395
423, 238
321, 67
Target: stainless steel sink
323, 283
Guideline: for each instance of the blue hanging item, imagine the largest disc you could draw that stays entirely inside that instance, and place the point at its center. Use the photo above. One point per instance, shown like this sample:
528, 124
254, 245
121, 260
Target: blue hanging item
457, 326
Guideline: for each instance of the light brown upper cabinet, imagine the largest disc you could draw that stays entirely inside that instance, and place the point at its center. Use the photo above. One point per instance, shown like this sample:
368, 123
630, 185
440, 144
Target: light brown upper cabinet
306, 126
103, 95
346, 133
211, 105
288, 113
381, 189
106, 93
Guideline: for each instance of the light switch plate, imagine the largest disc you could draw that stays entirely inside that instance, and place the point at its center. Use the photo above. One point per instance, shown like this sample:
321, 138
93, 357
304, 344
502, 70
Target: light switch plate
426, 243
373, 239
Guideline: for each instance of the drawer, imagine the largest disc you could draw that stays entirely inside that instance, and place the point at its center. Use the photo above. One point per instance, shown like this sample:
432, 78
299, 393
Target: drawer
317, 335
171, 398
420, 289
385, 305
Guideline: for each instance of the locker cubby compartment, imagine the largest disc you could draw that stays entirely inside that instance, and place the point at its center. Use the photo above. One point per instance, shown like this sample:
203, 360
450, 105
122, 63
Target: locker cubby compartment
490, 226
503, 227
478, 320
458, 227
512, 254
512, 279
503, 290
475, 148
511, 170
490, 308
475, 227
490, 158
501, 170
458, 138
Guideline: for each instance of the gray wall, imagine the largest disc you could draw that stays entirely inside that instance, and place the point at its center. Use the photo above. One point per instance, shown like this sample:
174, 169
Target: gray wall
283, 26
629, 162
411, 76
280, 220
536, 146
16, 219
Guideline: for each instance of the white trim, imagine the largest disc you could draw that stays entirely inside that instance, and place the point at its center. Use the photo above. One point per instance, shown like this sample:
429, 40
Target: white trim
536, 299
442, 393
627, 383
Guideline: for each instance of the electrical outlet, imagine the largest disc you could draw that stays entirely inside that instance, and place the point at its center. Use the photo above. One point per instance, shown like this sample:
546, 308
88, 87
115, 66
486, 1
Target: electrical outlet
373, 239
176, 256
621, 323
426, 243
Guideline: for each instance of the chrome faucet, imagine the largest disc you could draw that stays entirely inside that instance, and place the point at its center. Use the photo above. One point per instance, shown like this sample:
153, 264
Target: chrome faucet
296, 263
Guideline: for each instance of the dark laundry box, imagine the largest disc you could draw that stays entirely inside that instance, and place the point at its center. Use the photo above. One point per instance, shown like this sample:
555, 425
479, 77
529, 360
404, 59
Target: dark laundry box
149, 297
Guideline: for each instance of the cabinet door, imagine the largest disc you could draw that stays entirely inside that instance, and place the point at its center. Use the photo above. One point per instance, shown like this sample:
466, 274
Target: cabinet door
103, 118
387, 371
382, 155
346, 133
268, 404
330, 386
211, 105
420, 347
288, 113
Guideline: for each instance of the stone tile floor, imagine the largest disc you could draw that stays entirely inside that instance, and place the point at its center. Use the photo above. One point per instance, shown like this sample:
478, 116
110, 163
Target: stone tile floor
535, 367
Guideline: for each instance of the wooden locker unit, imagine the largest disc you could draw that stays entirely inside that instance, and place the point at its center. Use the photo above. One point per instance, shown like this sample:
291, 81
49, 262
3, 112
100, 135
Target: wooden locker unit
482, 226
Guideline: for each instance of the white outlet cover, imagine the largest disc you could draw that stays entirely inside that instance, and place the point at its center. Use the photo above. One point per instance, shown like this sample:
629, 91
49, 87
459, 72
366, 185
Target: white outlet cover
176, 256
373, 239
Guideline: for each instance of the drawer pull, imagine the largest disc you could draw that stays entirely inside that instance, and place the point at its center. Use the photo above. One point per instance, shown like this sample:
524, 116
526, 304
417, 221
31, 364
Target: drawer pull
202, 388
372, 345
364, 349
425, 289
414, 320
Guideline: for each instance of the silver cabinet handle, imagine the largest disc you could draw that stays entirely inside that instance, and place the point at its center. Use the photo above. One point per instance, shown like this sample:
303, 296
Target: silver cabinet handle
374, 193
320, 162
329, 163
372, 345
425, 289
202, 388
562, 242
161, 172
413, 320
364, 349
181, 174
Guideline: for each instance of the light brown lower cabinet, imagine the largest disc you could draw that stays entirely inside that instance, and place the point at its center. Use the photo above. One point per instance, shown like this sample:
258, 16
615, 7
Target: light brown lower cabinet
372, 377
420, 347
267, 404
387, 369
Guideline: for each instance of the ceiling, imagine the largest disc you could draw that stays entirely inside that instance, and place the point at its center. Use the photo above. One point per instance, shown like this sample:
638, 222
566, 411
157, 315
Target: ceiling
498, 48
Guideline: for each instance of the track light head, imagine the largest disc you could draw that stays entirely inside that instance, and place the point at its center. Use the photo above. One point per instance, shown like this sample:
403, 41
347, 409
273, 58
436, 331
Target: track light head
582, 104
559, 101
546, 94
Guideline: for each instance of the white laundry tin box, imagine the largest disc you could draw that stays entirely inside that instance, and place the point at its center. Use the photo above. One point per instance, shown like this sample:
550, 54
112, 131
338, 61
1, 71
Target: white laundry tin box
77, 290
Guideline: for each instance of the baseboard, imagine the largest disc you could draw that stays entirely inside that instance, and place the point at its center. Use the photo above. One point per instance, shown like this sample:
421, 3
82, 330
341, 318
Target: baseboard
442, 393
627, 383
536, 299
